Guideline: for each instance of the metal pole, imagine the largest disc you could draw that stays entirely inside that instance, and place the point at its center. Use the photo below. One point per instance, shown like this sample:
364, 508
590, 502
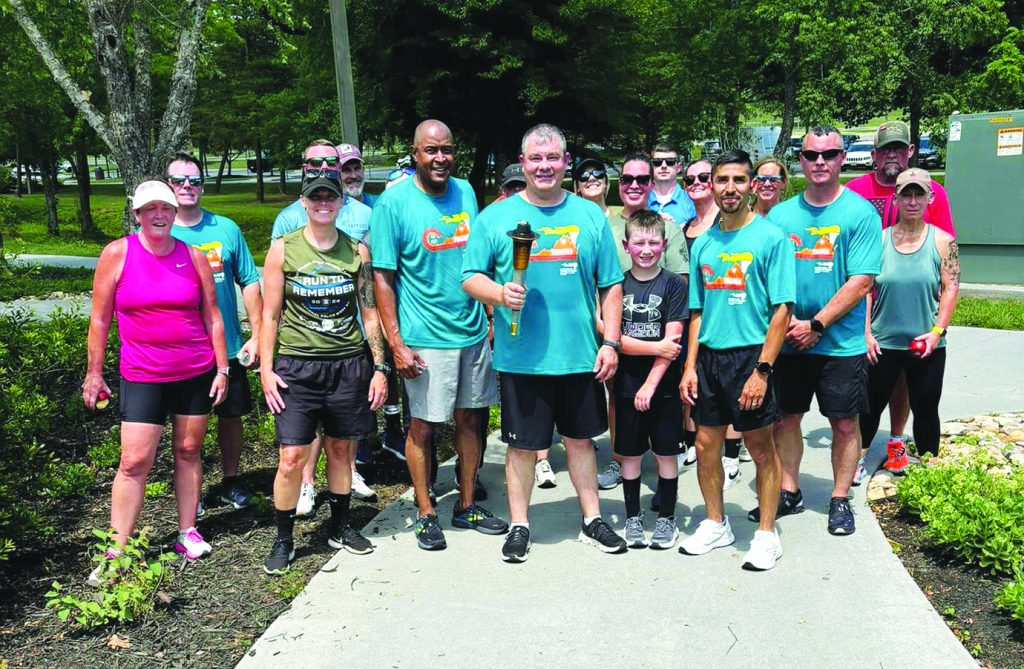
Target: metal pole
343, 71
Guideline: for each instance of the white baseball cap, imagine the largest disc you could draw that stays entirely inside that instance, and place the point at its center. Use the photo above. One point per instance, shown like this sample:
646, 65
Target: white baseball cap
153, 191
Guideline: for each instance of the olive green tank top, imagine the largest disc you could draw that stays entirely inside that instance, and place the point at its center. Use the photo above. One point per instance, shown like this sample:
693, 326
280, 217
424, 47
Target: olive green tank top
907, 298
319, 315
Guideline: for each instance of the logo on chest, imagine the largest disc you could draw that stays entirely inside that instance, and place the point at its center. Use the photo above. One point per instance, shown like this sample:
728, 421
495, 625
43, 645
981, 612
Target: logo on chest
435, 240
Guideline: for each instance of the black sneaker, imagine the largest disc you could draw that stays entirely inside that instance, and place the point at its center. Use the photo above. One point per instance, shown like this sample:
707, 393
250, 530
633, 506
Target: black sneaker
236, 496
517, 545
281, 555
840, 516
429, 536
478, 518
350, 539
599, 533
789, 503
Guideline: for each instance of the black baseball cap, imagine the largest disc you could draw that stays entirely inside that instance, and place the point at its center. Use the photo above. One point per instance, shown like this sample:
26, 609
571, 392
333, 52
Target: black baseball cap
582, 166
320, 181
512, 173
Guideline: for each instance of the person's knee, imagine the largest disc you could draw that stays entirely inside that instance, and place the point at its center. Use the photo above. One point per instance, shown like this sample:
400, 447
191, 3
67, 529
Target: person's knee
788, 422
467, 419
846, 430
420, 431
135, 464
761, 448
189, 449
291, 463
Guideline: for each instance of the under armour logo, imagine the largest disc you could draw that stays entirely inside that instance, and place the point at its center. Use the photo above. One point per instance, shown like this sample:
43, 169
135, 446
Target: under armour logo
651, 308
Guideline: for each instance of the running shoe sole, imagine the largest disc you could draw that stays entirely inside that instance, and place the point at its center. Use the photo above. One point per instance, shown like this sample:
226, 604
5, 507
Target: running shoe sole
275, 572
604, 549
516, 559
334, 543
189, 556
436, 547
464, 525
727, 540
227, 500
750, 566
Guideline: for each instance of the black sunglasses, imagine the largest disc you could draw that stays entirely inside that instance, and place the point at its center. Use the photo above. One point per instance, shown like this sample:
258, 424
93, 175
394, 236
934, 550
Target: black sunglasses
316, 174
628, 179
179, 180
670, 162
827, 154
596, 173
331, 161
703, 177
769, 178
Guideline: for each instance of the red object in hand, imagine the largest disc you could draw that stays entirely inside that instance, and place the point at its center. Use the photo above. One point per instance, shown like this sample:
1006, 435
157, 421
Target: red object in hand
102, 401
918, 346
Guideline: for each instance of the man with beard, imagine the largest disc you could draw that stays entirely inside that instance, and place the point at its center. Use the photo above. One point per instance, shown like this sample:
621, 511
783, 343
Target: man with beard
351, 159
891, 156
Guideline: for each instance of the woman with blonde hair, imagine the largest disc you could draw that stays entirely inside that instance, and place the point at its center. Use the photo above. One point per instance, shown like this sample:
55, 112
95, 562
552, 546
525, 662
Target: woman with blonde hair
771, 184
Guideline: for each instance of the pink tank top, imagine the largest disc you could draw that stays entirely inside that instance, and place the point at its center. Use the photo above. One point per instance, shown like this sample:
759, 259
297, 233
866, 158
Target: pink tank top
157, 306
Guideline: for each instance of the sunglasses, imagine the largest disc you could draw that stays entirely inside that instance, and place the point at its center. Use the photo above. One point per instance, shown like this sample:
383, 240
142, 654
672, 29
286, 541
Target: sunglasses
179, 180
330, 161
663, 162
769, 178
596, 173
628, 179
827, 154
703, 177
317, 173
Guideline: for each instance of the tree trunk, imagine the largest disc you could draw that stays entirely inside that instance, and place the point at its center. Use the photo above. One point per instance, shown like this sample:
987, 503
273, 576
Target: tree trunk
17, 171
915, 124
259, 171
282, 185
48, 172
81, 167
225, 158
28, 179
788, 114
202, 160
731, 128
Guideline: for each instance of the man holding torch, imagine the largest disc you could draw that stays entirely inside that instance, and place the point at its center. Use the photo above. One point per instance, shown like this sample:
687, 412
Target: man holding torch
553, 364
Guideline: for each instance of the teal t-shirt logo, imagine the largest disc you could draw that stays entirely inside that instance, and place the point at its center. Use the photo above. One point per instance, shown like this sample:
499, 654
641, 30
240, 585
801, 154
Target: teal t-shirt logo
733, 279
435, 240
823, 249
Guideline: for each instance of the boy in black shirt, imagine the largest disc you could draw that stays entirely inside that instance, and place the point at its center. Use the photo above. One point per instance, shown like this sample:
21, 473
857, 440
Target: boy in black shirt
646, 388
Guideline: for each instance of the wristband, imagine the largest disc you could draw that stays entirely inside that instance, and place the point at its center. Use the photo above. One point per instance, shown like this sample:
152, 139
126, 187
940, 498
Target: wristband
939, 331
224, 370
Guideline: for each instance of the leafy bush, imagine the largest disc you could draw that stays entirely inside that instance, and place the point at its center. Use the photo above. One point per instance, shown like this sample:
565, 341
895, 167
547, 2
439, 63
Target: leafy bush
131, 585
107, 453
969, 512
1011, 597
156, 489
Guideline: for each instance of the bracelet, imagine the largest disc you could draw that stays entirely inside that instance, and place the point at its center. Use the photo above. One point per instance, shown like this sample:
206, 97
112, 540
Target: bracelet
226, 371
939, 331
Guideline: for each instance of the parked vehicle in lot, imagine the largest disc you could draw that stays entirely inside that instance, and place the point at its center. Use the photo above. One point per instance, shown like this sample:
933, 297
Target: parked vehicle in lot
265, 163
928, 156
858, 156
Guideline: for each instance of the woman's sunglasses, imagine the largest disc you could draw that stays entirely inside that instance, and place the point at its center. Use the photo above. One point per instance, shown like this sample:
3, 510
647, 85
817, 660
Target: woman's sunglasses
703, 177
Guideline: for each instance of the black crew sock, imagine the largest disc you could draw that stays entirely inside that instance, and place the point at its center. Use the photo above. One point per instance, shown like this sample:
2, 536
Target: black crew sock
285, 520
631, 493
339, 503
689, 437
230, 481
732, 448
668, 490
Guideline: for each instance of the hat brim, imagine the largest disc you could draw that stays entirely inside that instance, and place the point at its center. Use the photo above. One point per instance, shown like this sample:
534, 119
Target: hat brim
321, 182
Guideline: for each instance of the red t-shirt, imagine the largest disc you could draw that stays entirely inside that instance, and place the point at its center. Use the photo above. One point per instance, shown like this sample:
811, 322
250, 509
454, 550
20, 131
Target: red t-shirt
884, 199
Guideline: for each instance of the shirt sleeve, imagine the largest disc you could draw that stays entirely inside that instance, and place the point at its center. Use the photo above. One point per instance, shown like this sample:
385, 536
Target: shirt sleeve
609, 270
781, 271
245, 268
938, 212
385, 232
864, 255
279, 223
675, 299
478, 257
696, 277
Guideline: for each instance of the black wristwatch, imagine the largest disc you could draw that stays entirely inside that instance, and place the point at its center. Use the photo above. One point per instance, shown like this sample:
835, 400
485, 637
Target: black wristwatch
616, 345
817, 326
384, 368
764, 368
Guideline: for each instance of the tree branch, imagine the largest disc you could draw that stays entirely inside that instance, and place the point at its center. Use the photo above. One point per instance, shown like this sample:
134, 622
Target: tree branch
143, 66
176, 124
78, 97
113, 63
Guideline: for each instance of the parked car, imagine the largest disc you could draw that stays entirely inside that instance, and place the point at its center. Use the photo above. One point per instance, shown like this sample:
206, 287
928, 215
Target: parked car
267, 166
711, 149
928, 155
858, 156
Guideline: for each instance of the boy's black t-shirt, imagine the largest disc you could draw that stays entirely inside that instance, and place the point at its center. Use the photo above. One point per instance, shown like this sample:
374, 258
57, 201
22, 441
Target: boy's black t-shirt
647, 307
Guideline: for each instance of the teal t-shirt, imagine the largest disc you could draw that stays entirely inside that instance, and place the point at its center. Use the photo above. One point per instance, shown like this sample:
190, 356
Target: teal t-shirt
831, 244
737, 279
573, 257
353, 219
422, 238
221, 241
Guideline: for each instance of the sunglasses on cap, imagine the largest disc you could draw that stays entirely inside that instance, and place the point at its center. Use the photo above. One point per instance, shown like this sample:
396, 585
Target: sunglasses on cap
595, 173
827, 154
628, 179
663, 162
769, 178
703, 177
179, 180
330, 161
322, 172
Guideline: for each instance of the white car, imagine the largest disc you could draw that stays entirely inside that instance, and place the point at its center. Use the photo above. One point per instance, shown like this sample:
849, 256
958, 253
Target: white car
858, 156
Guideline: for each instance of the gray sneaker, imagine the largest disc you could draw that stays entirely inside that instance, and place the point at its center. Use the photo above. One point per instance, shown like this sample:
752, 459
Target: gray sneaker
665, 533
610, 477
635, 537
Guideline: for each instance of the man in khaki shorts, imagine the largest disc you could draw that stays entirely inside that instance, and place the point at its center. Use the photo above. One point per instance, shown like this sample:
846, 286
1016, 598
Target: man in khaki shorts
438, 334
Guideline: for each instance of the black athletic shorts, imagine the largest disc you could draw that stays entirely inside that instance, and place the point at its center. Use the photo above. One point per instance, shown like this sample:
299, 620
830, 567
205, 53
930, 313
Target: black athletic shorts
330, 393
721, 375
840, 382
152, 402
238, 402
532, 406
660, 428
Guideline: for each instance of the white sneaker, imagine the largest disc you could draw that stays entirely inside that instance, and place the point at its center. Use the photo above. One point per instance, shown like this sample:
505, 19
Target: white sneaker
359, 488
765, 550
191, 544
709, 535
687, 459
307, 500
732, 472
543, 476
745, 454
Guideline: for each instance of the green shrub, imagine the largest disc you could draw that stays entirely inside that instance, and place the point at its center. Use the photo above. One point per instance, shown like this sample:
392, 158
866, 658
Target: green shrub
131, 583
973, 514
107, 453
156, 489
1011, 597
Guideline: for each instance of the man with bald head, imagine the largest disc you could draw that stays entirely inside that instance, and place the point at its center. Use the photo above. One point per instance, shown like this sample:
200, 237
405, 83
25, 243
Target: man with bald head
437, 333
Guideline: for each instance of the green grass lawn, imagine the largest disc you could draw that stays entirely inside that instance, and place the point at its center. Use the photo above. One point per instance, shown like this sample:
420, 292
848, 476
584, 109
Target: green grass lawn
995, 314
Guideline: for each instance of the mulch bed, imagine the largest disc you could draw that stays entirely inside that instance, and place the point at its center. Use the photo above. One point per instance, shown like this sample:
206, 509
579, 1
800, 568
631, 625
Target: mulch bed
961, 594
219, 605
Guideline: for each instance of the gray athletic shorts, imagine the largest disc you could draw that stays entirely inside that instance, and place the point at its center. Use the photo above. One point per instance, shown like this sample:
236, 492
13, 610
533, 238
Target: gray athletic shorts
457, 378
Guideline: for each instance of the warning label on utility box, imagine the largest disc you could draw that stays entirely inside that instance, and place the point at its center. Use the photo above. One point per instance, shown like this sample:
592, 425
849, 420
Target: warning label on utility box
1010, 142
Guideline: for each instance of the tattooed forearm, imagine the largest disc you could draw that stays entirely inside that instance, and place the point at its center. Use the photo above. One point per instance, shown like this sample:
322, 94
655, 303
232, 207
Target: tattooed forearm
376, 340
951, 265
366, 286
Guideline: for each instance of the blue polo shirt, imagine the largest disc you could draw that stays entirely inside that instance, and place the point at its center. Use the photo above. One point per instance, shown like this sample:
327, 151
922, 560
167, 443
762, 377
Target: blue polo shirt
680, 207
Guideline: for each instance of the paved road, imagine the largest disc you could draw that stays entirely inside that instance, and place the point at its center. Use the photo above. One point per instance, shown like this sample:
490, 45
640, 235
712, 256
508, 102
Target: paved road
831, 601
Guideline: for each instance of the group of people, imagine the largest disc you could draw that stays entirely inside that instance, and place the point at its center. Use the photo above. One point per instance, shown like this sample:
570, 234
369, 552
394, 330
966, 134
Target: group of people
690, 318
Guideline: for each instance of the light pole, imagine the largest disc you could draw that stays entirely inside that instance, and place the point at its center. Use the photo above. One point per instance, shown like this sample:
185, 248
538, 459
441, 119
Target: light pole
343, 72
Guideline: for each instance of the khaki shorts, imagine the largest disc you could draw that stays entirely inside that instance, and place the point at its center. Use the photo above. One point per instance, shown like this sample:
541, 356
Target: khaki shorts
457, 378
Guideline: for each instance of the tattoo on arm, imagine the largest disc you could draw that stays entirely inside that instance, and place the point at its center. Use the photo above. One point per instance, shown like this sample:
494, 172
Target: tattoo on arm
376, 340
951, 264
366, 286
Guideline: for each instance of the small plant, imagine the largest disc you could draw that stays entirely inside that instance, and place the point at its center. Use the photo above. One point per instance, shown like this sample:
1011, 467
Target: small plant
260, 503
107, 453
131, 584
288, 585
156, 489
1011, 597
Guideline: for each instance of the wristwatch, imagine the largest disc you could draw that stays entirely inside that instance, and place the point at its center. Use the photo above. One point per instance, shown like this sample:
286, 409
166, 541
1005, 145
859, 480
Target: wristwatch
817, 325
616, 345
764, 368
383, 368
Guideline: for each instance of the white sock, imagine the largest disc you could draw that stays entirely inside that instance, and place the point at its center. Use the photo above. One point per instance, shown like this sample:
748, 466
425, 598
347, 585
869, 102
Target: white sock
523, 525
587, 520
896, 437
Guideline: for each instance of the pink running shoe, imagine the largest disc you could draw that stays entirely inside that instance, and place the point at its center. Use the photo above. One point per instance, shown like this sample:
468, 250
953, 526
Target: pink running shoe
191, 544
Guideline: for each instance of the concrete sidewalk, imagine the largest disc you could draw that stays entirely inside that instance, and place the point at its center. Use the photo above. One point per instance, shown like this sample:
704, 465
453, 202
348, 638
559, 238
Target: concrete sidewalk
831, 601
